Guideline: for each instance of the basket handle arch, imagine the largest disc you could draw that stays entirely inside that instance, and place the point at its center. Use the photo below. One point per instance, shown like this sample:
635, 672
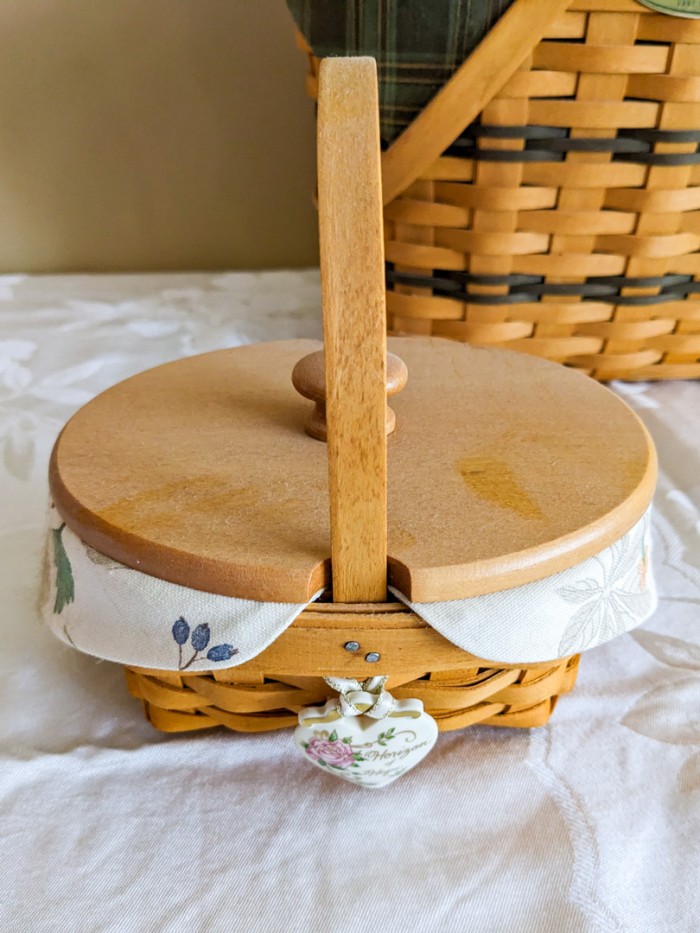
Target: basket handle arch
354, 325
465, 95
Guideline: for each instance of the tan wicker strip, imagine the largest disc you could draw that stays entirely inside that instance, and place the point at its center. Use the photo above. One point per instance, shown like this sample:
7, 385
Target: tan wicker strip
515, 697
459, 690
583, 165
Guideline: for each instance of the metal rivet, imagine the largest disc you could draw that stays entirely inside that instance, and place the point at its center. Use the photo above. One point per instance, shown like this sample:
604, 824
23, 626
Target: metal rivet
352, 646
372, 657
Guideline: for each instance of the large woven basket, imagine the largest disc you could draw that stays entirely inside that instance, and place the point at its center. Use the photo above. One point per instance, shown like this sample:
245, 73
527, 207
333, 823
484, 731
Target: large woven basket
546, 200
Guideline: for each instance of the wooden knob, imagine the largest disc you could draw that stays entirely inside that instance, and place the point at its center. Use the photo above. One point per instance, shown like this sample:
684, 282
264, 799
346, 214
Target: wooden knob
309, 379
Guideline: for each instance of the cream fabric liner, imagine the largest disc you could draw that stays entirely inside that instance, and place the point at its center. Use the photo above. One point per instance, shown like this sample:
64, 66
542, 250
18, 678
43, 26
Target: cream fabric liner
586, 824
114, 612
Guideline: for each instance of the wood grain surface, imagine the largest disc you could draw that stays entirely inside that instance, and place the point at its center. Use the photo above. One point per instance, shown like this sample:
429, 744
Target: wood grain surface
354, 325
503, 469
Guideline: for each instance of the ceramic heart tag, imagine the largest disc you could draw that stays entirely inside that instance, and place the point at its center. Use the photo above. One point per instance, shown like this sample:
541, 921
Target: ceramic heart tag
365, 736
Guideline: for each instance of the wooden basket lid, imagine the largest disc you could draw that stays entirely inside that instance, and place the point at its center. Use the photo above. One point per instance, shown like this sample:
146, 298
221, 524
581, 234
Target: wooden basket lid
503, 469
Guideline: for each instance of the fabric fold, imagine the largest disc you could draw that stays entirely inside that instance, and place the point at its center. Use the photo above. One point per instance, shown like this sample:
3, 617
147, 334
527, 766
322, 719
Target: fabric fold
560, 615
111, 611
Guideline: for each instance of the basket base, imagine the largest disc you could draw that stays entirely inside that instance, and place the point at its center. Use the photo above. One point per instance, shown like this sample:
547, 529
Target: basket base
244, 701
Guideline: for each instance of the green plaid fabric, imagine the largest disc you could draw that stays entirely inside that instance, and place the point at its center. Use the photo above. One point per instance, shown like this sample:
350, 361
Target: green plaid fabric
418, 44
683, 8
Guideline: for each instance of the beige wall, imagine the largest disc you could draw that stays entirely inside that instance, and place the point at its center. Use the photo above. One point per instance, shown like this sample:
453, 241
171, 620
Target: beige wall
153, 134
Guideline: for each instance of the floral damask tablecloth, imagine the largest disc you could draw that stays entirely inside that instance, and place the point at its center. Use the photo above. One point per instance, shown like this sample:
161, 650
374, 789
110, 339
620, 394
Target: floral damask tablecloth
590, 823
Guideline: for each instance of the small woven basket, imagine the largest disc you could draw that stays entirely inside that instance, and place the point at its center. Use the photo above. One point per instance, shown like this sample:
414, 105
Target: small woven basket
546, 200
483, 499
458, 691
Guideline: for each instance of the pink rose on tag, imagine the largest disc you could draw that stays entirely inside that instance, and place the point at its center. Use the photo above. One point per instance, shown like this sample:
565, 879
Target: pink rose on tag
331, 751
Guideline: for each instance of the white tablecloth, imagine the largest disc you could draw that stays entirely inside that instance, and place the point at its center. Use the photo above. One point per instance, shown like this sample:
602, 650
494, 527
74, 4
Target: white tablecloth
591, 823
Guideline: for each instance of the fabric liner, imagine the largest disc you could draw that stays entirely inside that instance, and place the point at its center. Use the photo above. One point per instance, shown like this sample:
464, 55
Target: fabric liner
114, 612
590, 823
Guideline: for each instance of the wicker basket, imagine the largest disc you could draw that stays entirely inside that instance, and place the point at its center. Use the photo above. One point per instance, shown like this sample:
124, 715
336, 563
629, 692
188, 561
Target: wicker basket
238, 511
563, 220
458, 691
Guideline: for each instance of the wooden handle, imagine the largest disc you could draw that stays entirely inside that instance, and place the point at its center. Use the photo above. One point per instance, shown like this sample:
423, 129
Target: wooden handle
354, 316
467, 92
309, 379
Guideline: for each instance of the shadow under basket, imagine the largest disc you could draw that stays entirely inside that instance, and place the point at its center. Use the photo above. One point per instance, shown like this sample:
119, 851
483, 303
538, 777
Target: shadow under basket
268, 692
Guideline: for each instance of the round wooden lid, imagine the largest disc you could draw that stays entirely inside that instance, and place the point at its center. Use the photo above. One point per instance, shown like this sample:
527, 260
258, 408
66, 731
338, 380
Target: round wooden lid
503, 469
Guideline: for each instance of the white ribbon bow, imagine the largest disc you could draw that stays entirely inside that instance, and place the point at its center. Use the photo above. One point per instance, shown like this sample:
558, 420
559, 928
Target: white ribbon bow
356, 697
